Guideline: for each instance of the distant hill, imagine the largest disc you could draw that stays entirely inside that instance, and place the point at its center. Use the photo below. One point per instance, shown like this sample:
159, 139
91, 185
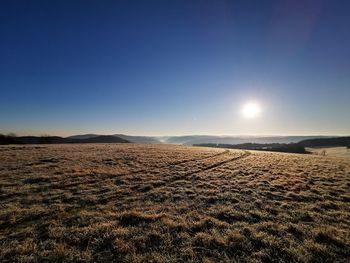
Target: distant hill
306, 141
200, 139
130, 138
83, 136
41, 139
205, 139
326, 142
101, 139
139, 139
60, 140
188, 139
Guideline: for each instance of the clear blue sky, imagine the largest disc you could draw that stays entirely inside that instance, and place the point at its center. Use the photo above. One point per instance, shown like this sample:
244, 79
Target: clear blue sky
174, 67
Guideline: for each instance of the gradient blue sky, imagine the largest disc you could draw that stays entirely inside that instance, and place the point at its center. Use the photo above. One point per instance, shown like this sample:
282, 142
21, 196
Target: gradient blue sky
174, 67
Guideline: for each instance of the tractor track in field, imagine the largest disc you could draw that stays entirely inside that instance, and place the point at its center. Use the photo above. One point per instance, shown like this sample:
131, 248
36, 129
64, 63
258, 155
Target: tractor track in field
172, 179
175, 178
116, 177
218, 164
210, 167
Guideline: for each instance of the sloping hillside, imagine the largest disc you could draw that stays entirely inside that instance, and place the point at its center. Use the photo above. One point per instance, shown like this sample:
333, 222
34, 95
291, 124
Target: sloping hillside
161, 203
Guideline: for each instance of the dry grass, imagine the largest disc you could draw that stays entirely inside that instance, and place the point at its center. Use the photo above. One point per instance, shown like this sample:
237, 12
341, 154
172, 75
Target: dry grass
146, 203
338, 152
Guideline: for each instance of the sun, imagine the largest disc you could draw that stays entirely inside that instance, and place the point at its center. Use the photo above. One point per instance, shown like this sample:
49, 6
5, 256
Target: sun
251, 110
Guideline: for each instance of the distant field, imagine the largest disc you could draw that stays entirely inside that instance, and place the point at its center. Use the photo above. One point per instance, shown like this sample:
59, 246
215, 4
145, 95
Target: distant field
161, 203
331, 151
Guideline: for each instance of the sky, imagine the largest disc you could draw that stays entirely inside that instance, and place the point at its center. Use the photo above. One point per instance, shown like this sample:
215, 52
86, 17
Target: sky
174, 67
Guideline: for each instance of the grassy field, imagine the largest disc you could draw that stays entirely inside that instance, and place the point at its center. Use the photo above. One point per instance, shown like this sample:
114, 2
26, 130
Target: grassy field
341, 152
161, 203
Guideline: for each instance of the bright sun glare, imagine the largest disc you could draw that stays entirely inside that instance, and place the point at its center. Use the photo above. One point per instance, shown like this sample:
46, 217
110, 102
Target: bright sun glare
251, 110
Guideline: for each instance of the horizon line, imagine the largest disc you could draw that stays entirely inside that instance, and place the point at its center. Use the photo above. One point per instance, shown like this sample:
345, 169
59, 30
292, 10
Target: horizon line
181, 135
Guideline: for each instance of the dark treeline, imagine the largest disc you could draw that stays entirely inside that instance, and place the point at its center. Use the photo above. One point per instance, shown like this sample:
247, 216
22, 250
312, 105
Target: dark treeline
326, 142
286, 147
8, 139
274, 147
11, 139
